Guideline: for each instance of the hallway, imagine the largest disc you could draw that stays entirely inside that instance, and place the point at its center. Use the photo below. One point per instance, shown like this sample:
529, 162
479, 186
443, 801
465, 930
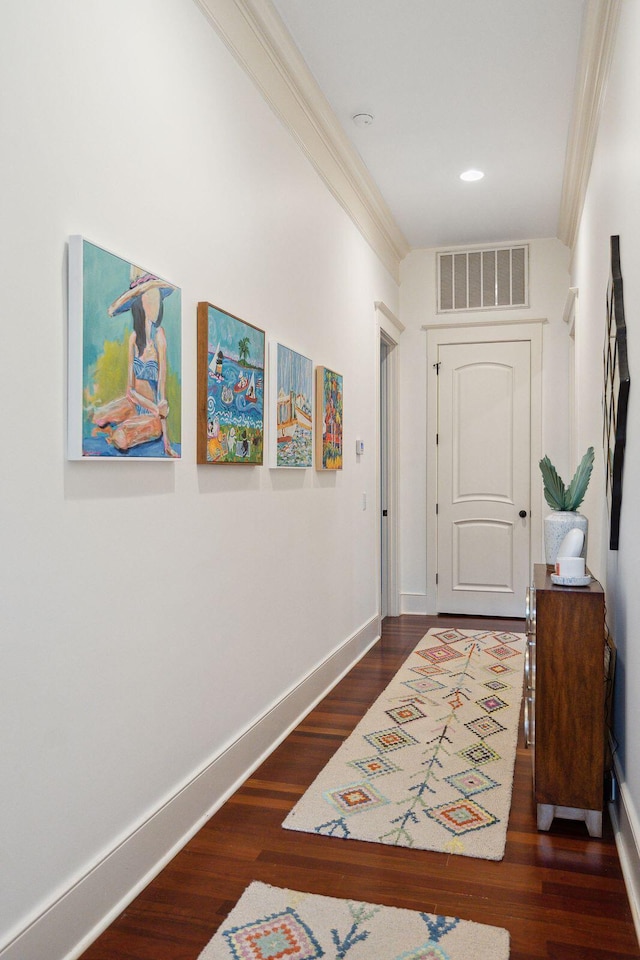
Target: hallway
561, 894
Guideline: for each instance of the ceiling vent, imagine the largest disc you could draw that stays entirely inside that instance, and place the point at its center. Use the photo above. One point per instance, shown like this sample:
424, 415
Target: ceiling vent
483, 279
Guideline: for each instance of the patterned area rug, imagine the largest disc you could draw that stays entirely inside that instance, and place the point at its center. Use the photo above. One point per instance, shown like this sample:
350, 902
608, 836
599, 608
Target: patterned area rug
431, 763
269, 923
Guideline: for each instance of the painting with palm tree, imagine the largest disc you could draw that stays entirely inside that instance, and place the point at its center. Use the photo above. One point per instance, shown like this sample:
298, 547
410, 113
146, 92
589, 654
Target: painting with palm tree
328, 419
230, 388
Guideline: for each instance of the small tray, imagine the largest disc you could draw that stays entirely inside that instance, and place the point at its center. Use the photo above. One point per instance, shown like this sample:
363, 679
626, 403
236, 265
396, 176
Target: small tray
570, 581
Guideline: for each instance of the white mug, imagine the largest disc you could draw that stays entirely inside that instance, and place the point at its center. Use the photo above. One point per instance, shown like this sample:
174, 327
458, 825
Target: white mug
570, 566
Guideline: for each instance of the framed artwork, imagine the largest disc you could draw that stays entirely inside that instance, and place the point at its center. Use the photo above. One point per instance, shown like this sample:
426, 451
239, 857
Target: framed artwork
290, 408
328, 419
124, 366
616, 393
230, 388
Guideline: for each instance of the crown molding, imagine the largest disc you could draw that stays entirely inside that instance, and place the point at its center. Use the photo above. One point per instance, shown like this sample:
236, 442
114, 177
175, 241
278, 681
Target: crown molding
597, 44
256, 36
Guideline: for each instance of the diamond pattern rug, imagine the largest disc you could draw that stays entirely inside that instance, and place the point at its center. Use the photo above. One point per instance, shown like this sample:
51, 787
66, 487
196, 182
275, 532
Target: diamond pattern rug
269, 923
431, 763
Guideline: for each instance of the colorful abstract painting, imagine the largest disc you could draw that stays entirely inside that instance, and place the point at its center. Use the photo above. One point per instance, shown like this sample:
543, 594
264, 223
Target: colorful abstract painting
290, 408
328, 419
230, 388
125, 333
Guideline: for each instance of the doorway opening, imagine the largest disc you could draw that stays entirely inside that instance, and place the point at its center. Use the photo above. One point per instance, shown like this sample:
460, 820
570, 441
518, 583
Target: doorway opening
384, 478
389, 330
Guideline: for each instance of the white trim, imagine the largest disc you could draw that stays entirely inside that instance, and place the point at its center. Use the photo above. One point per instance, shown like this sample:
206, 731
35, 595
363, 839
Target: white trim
569, 317
69, 925
468, 333
389, 328
627, 833
389, 315
414, 604
258, 39
471, 324
570, 308
599, 30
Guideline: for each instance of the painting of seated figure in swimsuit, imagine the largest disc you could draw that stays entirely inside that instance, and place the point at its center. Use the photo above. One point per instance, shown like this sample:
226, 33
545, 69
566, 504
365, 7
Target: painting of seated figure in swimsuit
129, 322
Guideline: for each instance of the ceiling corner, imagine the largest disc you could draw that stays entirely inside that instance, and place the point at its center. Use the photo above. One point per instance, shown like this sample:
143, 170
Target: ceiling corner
255, 34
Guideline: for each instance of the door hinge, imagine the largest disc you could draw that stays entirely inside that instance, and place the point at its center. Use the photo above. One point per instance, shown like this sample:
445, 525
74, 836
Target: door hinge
437, 439
436, 577
436, 509
384, 513
436, 367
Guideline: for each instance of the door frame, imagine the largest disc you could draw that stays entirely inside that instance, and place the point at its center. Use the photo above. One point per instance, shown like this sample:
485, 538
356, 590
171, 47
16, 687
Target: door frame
570, 317
388, 330
488, 332
383, 464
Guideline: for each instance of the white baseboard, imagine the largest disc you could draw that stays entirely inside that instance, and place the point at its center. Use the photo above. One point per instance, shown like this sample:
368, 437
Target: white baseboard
627, 832
69, 925
413, 603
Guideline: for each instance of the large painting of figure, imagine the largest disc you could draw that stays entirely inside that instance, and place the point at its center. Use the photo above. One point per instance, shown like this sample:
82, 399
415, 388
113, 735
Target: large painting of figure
328, 419
230, 388
125, 333
290, 408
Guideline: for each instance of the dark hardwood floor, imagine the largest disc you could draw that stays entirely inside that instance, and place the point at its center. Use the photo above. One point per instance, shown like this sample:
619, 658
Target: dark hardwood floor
560, 894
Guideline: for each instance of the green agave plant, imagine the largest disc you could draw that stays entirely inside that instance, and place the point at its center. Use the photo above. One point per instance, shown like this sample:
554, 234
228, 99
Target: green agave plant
556, 494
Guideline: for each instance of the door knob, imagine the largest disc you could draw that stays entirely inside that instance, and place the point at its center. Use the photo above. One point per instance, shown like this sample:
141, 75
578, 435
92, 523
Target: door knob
522, 514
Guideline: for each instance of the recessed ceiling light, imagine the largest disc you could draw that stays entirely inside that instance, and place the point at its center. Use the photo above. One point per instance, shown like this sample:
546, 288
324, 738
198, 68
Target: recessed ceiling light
362, 119
470, 175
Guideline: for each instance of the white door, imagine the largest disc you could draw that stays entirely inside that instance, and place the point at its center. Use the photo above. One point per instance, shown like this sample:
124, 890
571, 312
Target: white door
483, 528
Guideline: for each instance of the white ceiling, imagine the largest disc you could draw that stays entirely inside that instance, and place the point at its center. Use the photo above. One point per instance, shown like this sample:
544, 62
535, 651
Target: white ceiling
451, 84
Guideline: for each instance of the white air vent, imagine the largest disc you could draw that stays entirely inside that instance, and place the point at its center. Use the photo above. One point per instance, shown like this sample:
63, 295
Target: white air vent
483, 279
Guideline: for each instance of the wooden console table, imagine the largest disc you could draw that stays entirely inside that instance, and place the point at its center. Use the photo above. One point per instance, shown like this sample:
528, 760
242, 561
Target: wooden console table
564, 707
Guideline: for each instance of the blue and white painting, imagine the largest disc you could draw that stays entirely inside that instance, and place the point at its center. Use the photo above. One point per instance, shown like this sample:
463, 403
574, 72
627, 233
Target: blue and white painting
291, 408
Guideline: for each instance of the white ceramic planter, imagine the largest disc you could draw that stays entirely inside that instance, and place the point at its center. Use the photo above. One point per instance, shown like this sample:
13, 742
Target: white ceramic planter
557, 526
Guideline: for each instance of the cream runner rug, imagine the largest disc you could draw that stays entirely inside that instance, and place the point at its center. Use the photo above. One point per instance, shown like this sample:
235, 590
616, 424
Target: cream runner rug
431, 763
269, 923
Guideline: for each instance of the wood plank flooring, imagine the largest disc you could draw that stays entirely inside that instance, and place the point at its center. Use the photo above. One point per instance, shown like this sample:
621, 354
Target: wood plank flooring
560, 894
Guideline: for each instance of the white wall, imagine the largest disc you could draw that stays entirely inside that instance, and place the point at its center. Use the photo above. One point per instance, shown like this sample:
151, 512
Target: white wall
548, 289
150, 613
612, 206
